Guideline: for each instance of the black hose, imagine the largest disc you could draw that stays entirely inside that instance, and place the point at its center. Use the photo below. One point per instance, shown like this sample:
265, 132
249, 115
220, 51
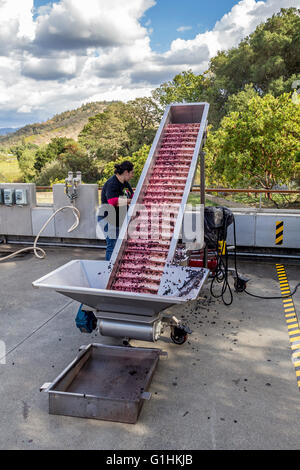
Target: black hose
271, 298
249, 293
221, 276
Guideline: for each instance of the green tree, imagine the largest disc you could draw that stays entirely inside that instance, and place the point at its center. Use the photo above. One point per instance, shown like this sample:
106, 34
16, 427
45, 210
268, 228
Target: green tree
105, 133
138, 159
26, 154
26, 161
50, 152
257, 146
143, 118
17, 150
297, 179
73, 158
239, 101
121, 129
268, 59
185, 86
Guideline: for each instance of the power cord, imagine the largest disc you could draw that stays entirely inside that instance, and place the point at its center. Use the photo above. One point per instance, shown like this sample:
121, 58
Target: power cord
270, 298
37, 249
241, 282
221, 276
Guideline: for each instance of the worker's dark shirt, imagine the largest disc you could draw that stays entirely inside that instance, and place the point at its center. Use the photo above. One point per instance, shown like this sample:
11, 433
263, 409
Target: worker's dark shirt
111, 191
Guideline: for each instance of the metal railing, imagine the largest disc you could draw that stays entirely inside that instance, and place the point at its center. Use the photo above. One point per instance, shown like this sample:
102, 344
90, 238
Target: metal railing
196, 188
222, 191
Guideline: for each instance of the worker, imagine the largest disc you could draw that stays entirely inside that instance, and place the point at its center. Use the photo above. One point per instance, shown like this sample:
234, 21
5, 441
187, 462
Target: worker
117, 193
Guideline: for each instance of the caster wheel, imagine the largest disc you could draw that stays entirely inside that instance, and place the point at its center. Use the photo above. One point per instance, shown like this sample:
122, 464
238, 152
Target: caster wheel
178, 336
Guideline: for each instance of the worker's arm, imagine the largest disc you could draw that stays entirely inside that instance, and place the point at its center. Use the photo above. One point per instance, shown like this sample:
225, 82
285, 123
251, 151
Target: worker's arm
112, 194
113, 201
119, 201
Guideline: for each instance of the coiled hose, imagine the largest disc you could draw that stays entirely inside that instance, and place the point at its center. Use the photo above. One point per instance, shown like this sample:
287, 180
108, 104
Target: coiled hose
39, 252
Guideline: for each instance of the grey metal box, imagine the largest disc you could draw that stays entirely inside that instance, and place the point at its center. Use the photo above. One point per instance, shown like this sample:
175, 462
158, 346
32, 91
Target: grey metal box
9, 196
21, 197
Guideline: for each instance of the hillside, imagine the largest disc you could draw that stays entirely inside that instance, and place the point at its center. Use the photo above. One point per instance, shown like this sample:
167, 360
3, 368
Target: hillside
67, 124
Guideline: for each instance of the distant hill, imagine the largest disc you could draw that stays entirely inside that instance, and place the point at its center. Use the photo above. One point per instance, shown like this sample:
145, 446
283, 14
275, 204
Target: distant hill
67, 124
7, 130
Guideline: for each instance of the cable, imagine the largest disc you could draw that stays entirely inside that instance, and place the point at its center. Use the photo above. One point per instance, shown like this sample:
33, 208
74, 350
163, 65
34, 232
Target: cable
281, 297
243, 287
37, 249
221, 275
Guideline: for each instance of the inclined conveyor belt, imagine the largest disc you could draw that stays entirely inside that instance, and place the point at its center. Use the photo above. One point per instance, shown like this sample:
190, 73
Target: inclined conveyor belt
144, 255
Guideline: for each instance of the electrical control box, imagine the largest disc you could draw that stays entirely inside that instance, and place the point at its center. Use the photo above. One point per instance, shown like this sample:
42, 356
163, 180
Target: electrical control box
21, 197
9, 196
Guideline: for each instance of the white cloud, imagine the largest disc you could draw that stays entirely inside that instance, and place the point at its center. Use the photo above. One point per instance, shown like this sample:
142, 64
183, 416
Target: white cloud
74, 24
233, 27
16, 24
53, 68
17, 16
76, 51
195, 53
181, 29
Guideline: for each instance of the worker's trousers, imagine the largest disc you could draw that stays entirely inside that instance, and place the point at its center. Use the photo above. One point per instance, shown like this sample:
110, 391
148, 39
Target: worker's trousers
111, 236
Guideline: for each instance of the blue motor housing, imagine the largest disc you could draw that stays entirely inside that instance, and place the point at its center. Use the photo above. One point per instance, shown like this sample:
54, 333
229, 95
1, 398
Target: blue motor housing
85, 320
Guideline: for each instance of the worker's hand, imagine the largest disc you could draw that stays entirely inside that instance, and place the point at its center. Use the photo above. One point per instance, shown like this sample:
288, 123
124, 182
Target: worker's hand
122, 201
128, 202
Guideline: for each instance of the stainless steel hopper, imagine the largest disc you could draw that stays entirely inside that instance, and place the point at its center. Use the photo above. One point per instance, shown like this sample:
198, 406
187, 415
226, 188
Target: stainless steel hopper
86, 280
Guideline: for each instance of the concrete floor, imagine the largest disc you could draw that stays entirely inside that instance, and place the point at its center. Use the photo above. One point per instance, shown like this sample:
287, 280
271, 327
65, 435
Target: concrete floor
231, 386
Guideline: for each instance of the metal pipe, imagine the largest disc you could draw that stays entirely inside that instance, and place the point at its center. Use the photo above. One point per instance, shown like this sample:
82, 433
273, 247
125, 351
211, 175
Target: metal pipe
202, 195
265, 255
196, 188
120, 329
202, 178
214, 190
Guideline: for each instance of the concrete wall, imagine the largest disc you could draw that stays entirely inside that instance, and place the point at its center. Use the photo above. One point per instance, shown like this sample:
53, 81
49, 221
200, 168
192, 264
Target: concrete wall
28, 220
254, 227
16, 220
257, 228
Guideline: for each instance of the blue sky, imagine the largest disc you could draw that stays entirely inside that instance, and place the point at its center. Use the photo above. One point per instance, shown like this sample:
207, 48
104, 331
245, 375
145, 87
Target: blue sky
56, 56
169, 15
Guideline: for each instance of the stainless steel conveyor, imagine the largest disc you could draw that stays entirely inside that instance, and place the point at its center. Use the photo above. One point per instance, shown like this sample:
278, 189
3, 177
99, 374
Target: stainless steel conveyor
130, 292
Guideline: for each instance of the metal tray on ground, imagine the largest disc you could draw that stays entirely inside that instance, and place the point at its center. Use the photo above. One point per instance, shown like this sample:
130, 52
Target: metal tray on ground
104, 382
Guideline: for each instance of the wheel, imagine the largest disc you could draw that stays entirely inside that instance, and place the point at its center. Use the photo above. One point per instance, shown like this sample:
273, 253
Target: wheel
178, 335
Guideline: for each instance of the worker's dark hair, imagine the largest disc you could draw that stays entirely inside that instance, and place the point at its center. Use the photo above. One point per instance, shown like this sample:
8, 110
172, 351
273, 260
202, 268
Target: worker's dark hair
121, 167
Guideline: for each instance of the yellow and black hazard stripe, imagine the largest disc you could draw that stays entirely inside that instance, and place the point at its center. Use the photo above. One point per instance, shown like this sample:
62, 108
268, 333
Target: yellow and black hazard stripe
222, 247
279, 233
291, 319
